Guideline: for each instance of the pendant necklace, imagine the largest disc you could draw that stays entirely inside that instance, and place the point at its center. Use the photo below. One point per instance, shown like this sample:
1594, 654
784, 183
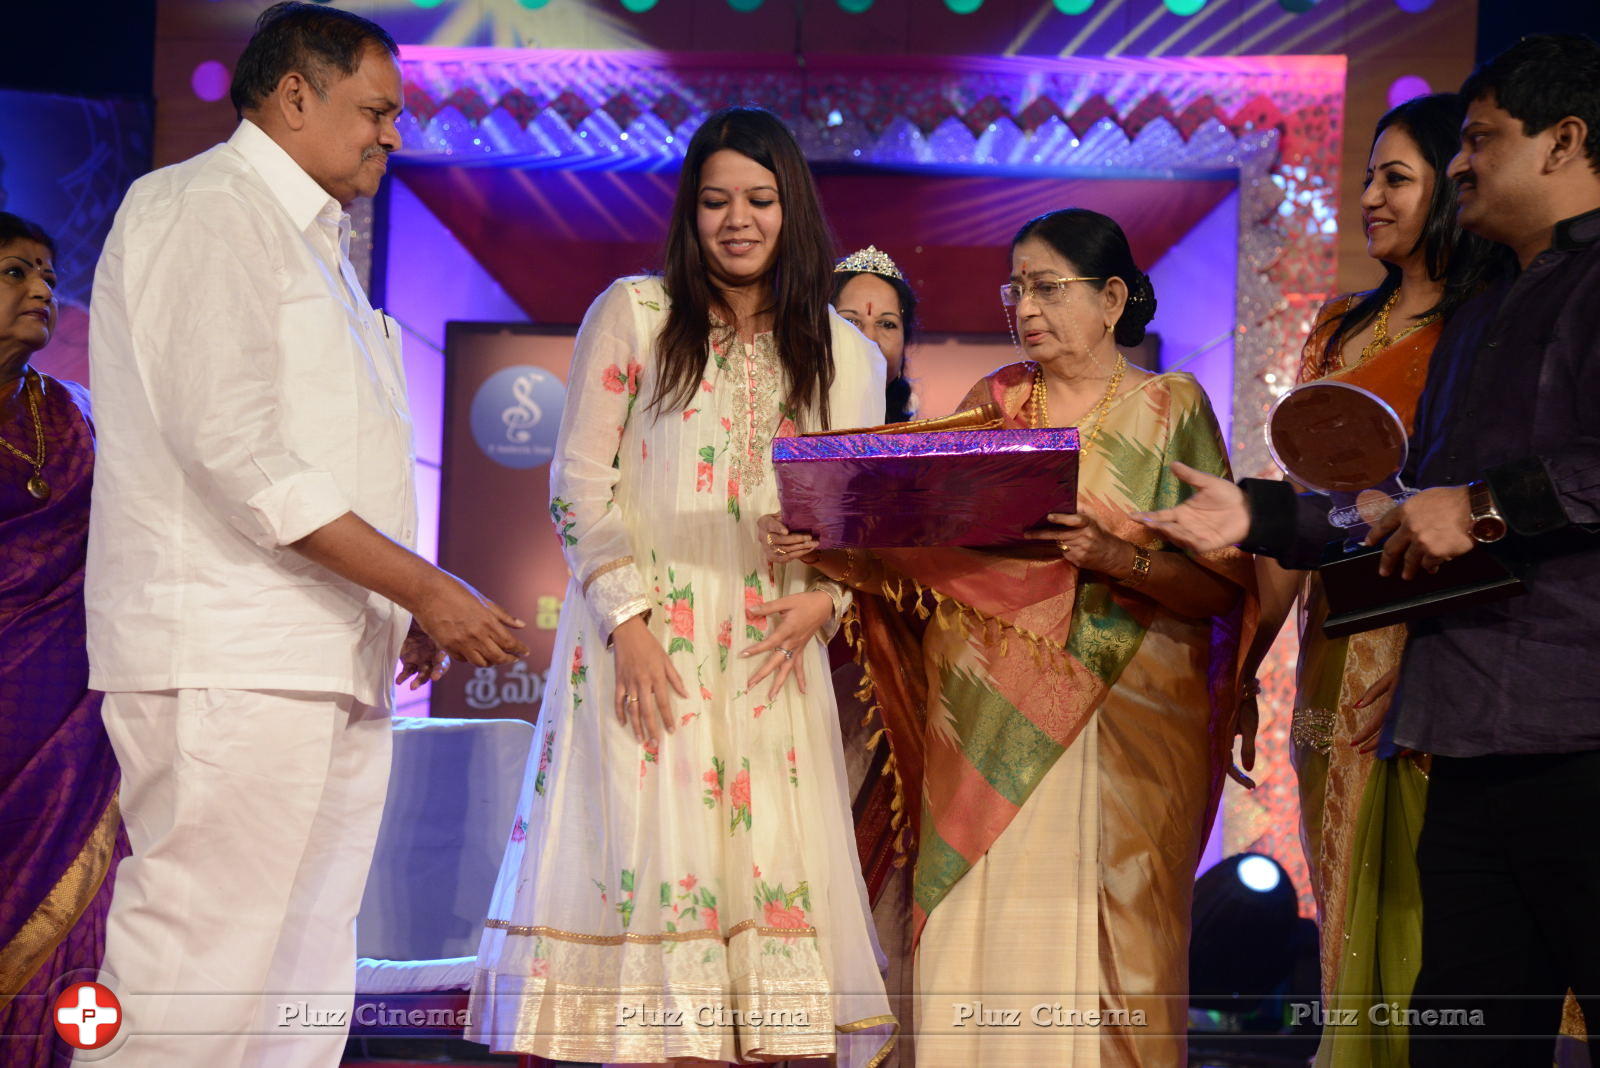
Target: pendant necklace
38, 488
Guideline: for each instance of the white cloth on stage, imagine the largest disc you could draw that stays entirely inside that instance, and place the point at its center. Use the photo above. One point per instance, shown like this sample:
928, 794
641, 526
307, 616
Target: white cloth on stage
252, 817
246, 394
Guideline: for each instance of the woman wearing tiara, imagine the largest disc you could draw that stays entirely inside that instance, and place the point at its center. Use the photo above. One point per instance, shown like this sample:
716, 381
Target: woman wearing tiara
681, 882
871, 294
1073, 729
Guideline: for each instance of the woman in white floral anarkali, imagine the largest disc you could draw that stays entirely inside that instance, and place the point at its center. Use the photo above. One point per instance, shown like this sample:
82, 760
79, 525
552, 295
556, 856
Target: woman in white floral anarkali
691, 895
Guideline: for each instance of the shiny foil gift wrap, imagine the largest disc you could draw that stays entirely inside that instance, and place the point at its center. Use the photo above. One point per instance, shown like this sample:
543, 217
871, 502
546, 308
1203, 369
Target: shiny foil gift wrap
896, 490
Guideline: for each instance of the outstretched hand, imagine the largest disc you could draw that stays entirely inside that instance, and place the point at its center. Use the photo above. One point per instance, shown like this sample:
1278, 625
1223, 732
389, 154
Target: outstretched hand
1215, 516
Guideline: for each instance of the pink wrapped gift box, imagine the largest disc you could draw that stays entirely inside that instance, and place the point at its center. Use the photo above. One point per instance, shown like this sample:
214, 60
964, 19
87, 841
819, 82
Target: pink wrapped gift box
959, 487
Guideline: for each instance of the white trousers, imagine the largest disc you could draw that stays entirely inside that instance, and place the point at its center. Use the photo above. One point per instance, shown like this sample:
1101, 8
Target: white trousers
252, 818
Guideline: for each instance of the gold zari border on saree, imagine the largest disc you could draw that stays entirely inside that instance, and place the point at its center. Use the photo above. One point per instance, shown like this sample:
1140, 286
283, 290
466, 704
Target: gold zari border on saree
541, 931
61, 909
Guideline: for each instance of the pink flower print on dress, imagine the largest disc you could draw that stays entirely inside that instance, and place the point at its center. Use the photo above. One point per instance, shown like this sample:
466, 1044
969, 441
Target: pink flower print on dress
787, 429
739, 798
713, 780
519, 830
724, 643
689, 882
690, 413
613, 379
683, 619
755, 627
680, 608
710, 917
705, 692
790, 919
539, 969
633, 377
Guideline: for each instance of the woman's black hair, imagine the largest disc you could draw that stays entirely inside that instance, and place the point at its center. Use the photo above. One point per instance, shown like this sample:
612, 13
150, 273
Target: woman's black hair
897, 391
1097, 246
1462, 261
800, 274
16, 228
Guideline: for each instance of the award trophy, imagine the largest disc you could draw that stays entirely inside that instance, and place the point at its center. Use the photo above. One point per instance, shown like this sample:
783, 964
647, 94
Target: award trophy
1348, 443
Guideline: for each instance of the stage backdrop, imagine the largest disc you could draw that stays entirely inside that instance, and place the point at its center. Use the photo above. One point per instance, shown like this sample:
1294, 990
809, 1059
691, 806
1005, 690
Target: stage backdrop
505, 385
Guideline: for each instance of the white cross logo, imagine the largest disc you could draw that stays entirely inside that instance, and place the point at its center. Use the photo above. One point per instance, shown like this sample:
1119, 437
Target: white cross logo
95, 1008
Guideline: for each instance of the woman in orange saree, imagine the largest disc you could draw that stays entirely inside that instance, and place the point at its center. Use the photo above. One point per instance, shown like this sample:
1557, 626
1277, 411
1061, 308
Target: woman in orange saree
1360, 815
1062, 712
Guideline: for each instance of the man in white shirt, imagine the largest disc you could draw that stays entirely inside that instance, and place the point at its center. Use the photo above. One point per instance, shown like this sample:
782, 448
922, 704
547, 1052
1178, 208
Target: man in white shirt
250, 577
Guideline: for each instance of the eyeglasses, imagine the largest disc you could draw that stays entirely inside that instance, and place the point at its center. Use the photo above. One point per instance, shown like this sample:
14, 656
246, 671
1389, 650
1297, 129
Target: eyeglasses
1045, 291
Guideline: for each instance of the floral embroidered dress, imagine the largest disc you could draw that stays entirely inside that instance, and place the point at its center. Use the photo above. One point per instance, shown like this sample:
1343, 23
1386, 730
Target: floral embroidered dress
699, 898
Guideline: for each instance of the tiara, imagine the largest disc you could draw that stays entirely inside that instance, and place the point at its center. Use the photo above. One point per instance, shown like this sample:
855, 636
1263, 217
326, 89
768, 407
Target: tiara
871, 261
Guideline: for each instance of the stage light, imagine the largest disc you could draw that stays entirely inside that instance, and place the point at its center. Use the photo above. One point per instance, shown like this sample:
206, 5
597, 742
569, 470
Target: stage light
638, 7
427, 3
1259, 874
855, 7
1250, 947
1184, 8
1298, 7
210, 81
1413, 7
1407, 87
745, 6
533, 5
1073, 7
963, 7
835, 118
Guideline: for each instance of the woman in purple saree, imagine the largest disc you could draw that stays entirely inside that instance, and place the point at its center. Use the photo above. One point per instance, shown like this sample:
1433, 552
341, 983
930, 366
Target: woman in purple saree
60, 834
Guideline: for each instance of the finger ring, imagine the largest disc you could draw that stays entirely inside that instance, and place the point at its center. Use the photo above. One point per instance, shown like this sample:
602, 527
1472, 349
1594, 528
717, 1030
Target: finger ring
787, 654
630, 700
769, 539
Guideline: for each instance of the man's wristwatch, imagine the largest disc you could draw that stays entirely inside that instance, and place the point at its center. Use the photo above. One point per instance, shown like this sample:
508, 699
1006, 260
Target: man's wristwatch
1488, 525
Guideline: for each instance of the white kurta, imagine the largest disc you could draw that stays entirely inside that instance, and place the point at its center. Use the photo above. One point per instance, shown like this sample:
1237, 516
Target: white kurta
662, 902
246, 394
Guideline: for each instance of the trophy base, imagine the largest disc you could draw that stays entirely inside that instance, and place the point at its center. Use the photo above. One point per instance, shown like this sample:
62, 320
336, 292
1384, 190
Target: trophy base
1360, 599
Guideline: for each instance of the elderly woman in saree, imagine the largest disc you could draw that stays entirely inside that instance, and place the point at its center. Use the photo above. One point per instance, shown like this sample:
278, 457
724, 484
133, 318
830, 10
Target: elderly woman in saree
1064, 710
60, 832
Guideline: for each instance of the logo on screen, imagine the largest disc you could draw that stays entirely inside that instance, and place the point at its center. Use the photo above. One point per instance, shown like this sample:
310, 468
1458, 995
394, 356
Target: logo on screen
515, 416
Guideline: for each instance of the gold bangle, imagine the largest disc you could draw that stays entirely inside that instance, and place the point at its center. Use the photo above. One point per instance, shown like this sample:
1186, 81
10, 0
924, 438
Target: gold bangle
1141, 568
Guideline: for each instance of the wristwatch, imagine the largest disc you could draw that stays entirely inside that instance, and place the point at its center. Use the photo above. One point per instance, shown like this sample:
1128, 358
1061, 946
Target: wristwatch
1488, 525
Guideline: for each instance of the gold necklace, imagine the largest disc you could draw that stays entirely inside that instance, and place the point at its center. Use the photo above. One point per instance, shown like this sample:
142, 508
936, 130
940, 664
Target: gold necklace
1041, 416
37, 486
1380, 329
